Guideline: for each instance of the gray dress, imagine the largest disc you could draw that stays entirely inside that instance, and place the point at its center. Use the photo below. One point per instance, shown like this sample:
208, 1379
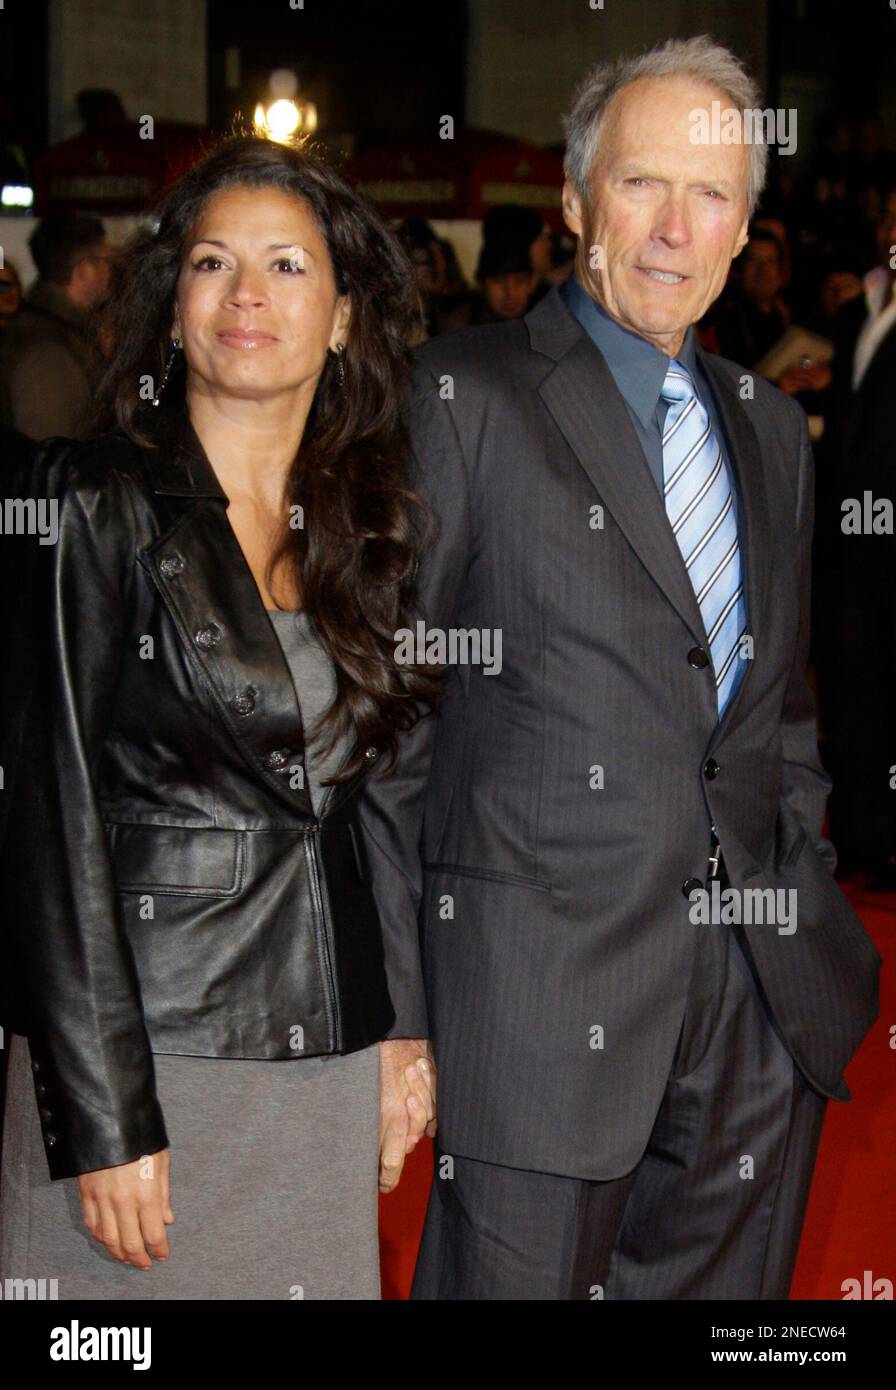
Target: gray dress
273, 1163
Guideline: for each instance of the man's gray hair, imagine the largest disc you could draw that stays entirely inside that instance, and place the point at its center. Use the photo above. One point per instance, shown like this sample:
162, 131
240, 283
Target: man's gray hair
698, 58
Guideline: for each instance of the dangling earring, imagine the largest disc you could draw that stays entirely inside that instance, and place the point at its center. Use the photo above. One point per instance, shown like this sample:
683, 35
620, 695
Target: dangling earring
175, 344
340, 362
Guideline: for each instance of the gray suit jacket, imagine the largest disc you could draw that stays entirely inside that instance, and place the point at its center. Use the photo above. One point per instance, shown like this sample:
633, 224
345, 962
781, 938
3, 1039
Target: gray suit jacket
557, 944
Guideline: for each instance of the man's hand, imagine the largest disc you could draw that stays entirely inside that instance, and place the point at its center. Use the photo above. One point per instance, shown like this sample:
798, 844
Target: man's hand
128, 1208
407, 1103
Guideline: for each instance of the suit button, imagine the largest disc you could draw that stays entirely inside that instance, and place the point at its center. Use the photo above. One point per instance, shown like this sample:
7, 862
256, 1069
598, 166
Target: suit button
208, 637
45, 1114
371, 754
711, 769
172, 565
40, 1089
49, 1139
35, 1066
277, 760
697, 658
244, 703
691, 885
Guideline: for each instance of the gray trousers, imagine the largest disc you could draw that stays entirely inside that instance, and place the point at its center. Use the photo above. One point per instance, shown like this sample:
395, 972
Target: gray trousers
712, 1210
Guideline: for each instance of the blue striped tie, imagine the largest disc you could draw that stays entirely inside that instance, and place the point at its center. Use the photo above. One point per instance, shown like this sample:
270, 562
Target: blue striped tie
700, 507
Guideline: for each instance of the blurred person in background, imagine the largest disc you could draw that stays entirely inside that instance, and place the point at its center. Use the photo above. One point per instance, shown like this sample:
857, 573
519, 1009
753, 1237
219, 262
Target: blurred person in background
48, 365
10, 295
855, 621
563, 258
440, 280
505, 283
752, 315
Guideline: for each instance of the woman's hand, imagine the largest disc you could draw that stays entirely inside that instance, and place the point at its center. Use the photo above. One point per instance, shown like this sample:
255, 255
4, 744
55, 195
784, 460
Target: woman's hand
407, 1103
128, 1208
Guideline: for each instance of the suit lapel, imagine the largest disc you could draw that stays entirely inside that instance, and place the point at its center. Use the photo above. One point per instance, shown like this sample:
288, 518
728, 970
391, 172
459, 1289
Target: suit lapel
606, 445
203, 579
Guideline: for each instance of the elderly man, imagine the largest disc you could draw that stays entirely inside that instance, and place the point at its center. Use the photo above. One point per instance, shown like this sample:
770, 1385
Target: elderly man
641, 982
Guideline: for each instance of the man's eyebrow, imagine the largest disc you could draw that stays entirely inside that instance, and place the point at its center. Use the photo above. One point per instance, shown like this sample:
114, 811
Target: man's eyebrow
641, 171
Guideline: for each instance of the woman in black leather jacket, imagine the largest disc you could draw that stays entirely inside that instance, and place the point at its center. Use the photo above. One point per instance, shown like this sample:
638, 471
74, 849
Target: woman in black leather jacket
198, 965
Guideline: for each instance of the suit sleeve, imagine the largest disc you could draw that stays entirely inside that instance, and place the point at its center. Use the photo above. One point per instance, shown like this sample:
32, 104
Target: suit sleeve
804, 784
91, 1057
392, 806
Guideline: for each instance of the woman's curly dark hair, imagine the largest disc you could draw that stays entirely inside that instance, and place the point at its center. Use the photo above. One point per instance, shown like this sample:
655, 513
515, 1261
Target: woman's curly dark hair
355, 559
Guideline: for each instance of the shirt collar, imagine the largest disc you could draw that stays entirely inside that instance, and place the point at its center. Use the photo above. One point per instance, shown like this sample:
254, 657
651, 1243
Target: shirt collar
639, 369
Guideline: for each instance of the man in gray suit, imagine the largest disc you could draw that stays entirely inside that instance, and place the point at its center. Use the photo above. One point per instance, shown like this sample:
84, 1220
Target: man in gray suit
641, 982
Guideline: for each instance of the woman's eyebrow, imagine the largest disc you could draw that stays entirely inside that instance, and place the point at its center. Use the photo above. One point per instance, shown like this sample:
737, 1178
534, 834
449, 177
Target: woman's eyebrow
274, 245
291, 246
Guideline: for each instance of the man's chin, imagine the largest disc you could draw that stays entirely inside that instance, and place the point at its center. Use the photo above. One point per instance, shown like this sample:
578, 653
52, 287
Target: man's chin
660, 329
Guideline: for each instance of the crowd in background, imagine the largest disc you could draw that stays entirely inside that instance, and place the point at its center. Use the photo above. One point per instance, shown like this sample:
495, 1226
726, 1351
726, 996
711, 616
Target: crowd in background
809, 304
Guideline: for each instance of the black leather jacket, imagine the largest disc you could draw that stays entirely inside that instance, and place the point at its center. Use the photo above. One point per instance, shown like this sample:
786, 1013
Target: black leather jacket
168, 886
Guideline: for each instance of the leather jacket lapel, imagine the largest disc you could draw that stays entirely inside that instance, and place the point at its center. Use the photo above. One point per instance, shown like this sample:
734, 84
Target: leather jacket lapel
203, 579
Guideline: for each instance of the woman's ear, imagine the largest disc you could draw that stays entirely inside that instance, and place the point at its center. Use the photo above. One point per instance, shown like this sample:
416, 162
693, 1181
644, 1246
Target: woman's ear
341, 322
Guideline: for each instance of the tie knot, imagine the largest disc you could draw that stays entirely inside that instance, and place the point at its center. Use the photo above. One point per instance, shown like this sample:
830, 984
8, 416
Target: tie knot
678, 385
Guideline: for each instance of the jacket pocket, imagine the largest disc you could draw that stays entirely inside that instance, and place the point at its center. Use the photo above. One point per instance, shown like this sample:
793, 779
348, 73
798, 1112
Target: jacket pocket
491, 875
182, 861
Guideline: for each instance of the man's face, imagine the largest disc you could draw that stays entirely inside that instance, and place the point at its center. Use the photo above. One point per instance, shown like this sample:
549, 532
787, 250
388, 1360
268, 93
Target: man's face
508, 295
667, 215
95, 273
761, 271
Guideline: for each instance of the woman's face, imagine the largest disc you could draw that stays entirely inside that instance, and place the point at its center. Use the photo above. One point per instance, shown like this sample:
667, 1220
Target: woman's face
257, 306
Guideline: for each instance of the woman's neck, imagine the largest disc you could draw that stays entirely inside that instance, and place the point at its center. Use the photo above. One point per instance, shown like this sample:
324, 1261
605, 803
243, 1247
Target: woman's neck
251, 445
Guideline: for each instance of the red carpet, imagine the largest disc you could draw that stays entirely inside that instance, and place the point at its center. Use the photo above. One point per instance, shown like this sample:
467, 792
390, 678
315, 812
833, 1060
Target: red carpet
851, 1220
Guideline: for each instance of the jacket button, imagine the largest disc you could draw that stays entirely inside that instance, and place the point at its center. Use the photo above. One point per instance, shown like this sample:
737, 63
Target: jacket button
711, 769
171, 566
691, 885
244, 703
40, 1089
208, 637
45, 1114
35, 1066
277, 760
697, 658
49, 1139
372, 753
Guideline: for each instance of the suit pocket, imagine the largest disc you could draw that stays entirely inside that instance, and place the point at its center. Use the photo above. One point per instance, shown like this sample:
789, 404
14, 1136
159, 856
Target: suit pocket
541, 885
177, 860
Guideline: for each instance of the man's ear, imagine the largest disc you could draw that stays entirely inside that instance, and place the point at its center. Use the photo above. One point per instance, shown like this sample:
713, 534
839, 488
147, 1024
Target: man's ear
743, 237
572, 208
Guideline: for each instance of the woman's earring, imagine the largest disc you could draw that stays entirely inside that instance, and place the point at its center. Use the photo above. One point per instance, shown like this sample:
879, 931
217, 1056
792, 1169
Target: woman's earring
175, 344
340, 357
